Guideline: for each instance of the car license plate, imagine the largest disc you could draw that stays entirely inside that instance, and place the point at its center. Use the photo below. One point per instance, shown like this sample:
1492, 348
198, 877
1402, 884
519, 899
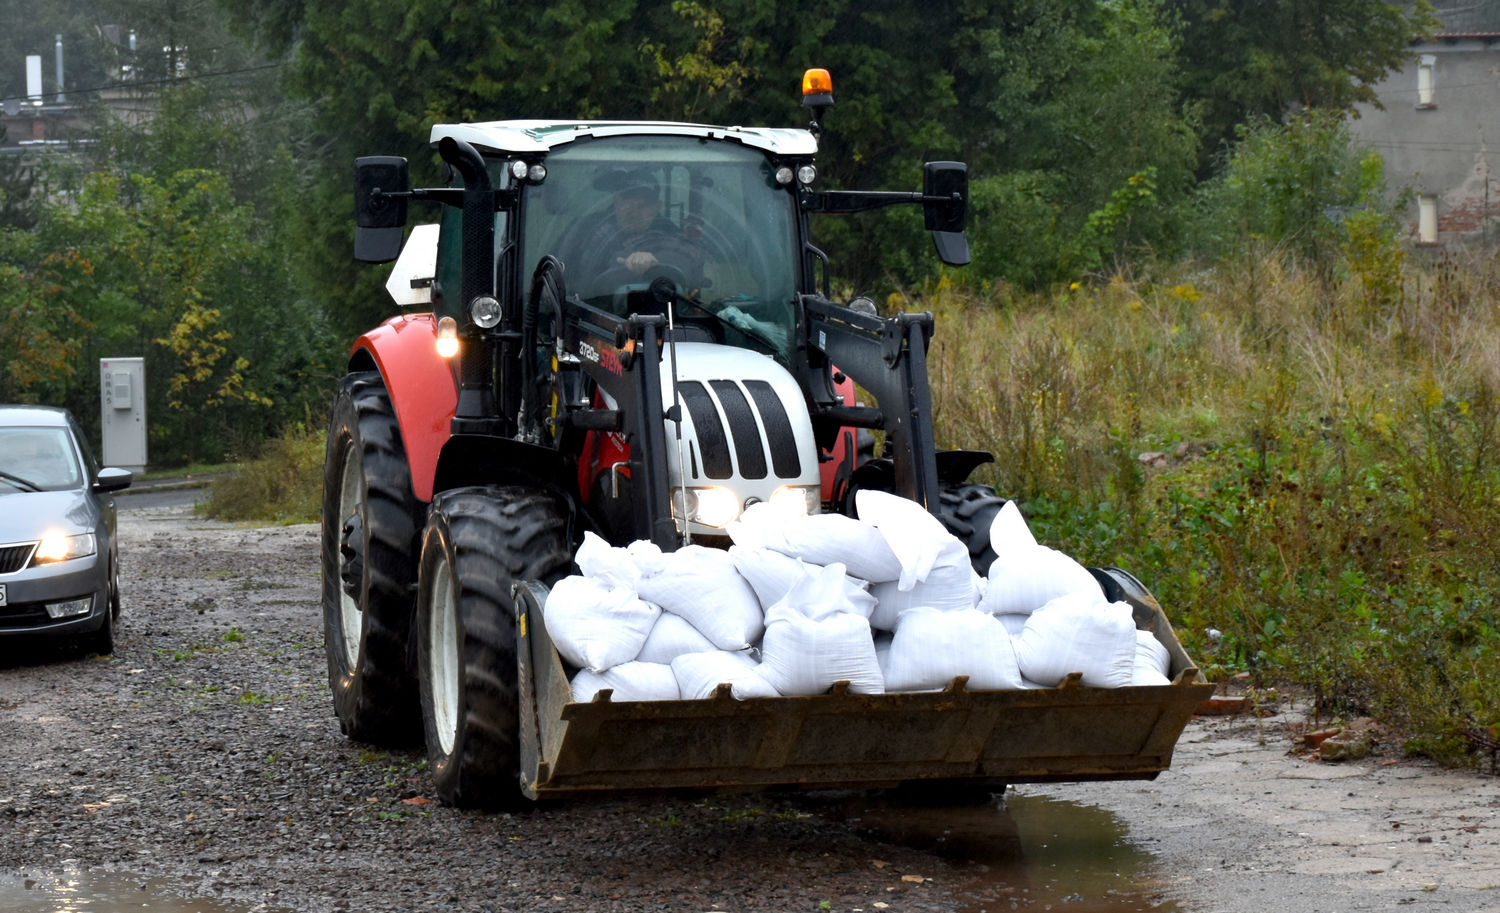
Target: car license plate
2, 594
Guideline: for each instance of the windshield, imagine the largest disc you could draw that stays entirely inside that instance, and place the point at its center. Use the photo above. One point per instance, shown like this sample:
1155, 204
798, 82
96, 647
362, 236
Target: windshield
37, 459
622, 212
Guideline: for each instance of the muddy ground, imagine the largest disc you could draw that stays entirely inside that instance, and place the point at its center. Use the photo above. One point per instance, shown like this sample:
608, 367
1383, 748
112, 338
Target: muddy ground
205, 752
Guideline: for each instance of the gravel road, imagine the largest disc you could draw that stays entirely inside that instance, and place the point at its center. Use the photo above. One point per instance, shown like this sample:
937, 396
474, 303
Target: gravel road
205, 752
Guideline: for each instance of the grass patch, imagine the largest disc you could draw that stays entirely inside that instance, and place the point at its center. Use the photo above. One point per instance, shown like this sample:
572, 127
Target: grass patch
1309, 466
281, 483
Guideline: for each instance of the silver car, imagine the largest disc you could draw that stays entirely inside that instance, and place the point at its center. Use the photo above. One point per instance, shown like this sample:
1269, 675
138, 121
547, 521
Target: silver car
58, 555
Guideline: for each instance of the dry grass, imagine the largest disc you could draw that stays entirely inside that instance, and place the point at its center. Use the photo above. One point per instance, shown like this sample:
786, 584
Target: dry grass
1329, 493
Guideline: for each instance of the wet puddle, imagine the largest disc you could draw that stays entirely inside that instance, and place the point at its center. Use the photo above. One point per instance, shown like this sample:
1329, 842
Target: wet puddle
1031, 852
75, 891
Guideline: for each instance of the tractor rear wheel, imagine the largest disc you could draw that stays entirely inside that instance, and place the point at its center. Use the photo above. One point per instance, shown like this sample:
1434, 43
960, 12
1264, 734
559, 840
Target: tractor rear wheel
479, 541
968, 510
370, 522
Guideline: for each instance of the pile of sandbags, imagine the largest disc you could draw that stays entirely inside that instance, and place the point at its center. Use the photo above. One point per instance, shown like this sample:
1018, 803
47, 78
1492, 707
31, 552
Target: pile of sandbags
885, 602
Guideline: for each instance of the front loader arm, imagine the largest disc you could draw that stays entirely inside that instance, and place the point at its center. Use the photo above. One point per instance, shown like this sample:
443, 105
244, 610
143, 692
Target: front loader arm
888, 358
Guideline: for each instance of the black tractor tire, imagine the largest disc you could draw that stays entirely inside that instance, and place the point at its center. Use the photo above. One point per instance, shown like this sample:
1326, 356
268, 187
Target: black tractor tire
968, 510
478, 542
370, 523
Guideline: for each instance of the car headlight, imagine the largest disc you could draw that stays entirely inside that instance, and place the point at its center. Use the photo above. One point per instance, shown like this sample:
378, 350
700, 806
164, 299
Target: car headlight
60, 547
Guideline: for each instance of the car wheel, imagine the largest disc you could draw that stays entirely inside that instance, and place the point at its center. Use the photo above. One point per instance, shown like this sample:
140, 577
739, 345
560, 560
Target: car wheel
479, 541
102, 641
114, 592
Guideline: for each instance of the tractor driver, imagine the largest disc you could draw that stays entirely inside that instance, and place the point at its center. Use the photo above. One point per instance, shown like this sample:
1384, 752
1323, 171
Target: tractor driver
638, 242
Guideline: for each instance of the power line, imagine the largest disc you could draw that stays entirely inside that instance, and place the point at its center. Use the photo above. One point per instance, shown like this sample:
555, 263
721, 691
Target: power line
148, 82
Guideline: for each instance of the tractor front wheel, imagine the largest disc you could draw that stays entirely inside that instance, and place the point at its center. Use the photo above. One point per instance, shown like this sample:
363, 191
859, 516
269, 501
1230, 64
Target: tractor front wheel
370, 518
479, 542
968, 510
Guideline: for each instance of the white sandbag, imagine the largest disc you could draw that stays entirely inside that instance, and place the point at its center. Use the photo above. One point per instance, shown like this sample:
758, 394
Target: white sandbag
699, 674
803, 656
701, 585
595, 625
949, 587
621, 567
771, 574
919, 540
1079, 633
1024, 581
932, 646
1152, 661
671, 637
820, 539
633, 681
1013, 622
1143, 676
1009, 532
823, 591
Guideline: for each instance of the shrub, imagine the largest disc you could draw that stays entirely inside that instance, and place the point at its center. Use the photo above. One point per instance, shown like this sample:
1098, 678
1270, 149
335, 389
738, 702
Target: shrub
282, 483
1323, 490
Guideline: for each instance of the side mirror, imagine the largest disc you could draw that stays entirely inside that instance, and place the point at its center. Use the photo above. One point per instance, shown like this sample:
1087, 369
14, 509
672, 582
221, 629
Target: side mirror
945, 217
379, 215
112, 479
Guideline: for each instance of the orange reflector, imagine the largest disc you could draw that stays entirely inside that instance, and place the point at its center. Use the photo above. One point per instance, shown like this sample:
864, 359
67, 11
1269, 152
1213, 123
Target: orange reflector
817, 82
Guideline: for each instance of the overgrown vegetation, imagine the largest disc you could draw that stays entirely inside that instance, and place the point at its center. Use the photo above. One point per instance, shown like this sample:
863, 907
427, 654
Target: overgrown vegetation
1312, 472
280, 482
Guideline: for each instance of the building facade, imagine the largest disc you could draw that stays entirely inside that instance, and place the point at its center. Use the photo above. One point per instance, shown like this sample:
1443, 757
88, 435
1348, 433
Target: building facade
1438, 127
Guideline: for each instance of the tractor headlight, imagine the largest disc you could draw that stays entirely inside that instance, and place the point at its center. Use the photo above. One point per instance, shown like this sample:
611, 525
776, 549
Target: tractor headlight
58, 547
484, 311
447, 337
784, 174
717, 507
807, 174
797, 500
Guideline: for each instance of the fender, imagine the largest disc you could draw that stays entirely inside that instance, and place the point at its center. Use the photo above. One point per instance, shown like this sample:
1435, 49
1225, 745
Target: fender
421, 386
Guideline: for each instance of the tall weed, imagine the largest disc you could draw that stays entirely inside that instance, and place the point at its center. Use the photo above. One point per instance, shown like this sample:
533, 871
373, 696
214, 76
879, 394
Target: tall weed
1306, 474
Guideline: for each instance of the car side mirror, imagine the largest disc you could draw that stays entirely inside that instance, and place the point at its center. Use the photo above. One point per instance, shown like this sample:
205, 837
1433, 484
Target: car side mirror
112, 479
381, 183
945, 187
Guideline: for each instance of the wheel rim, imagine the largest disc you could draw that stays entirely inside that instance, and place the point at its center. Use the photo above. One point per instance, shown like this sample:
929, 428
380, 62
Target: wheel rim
442, 656
351, 501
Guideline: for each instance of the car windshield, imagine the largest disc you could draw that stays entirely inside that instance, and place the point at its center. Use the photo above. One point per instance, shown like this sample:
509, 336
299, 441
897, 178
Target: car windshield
37, 459
624, 212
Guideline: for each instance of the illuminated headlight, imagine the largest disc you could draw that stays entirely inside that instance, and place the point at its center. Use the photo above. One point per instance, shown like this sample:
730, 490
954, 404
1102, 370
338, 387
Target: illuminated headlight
484, 311
797, 499
784, 174
447, 337
807, 174
717, 507
58, 547
70, 608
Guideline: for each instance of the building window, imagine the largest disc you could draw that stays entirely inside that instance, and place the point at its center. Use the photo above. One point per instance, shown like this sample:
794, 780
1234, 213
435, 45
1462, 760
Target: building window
1425, 65
1427, 225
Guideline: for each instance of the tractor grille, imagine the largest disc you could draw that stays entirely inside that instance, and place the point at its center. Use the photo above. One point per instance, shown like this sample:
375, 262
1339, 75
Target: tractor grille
14, 557
709, 406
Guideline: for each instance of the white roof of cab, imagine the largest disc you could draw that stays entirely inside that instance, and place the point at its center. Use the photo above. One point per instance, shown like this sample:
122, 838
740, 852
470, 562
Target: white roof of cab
523, 136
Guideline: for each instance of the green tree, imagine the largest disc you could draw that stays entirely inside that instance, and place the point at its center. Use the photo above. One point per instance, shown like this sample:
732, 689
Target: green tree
1079, 91
1243, 60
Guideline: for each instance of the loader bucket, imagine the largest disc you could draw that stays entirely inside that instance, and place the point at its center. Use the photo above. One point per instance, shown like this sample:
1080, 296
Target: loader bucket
840, 739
